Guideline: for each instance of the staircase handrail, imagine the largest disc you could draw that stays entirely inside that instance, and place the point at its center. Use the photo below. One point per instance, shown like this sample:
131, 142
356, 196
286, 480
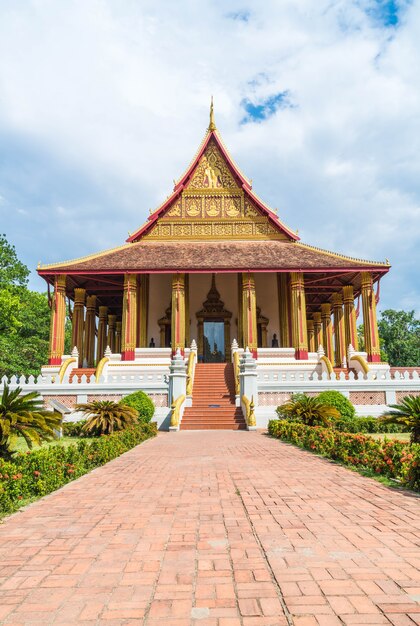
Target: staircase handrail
100, 367
176, 410
249, 411
236, 370
190, 372
328, 364
363, 363
64, 367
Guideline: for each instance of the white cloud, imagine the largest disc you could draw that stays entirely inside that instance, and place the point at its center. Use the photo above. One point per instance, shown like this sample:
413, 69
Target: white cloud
115, 96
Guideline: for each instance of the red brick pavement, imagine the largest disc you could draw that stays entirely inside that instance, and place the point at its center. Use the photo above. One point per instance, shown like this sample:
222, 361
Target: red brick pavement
214, 529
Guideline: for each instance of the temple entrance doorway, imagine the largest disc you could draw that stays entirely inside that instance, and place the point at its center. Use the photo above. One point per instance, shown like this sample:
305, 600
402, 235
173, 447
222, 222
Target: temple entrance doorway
214, 342
213, 328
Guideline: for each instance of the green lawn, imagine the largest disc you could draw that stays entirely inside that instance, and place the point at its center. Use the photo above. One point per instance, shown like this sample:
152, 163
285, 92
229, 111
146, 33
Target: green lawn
399, 436
64, 441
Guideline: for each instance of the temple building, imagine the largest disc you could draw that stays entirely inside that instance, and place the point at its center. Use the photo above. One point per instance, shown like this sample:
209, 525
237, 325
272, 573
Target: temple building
212, 264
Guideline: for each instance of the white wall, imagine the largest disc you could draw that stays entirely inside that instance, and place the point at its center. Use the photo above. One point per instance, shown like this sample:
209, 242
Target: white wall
267, 300
160, 293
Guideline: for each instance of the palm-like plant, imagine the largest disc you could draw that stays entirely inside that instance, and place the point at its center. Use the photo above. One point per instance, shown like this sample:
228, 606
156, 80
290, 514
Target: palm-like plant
407, 413
309, 411
25, 416
103, 417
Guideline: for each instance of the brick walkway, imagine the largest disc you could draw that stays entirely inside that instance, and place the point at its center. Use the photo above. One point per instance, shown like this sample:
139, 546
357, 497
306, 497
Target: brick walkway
214, 529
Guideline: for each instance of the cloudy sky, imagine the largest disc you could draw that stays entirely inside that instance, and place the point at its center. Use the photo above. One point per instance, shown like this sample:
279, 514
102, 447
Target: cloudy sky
104, 102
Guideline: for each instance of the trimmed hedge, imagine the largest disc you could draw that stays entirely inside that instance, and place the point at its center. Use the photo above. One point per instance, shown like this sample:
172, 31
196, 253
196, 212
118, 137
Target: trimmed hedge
36, 473
367, 424
339, 402
394, 459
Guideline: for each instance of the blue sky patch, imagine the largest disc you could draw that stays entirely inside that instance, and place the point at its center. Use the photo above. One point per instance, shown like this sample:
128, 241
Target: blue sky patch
262, 110
240, 16
385, 12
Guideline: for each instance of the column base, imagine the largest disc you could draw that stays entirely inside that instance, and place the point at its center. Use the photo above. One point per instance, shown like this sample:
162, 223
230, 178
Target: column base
182, 350
254, 353
128, 355
301, 355
374, 358
54, 360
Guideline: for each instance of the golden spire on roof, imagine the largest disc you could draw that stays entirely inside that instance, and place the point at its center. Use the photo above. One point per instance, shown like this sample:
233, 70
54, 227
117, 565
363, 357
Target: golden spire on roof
212, 125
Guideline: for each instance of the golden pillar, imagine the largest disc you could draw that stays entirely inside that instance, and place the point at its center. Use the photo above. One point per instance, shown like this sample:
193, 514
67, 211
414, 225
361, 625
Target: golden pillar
58, 321
142, 309
187, 309
129, 320
298, 315
78, 322
118, 326
178, 313
102, 333
249, 313
350, 328
112, 320
283, 294
90, 328
339, 339
370, 324
327, 331
318, 340
240, 313
311, 335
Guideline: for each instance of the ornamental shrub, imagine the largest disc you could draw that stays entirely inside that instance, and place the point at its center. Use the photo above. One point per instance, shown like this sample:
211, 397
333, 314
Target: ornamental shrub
340, 402
36, 473
394, 459
142, 403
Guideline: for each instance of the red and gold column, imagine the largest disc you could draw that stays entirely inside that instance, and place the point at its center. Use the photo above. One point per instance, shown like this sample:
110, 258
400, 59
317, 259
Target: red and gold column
283, 294
129, 320
142, 309
318, 339
339, 339
187, 310
350, 328
112, 320
298, 314
249, 313
118, 327
240, 313
58, 321
102, 333
311, 335
78, 322
370, 324
327, 332
90, 327
178, 313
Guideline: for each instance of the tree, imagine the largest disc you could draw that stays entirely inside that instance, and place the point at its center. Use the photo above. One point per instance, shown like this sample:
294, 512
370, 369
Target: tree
24, 318
406, 413
103, 417
25, 416
400, 337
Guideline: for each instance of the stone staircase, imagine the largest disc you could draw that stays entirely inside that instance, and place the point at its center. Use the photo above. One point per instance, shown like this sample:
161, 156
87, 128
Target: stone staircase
213, 400
346, 371
78, 372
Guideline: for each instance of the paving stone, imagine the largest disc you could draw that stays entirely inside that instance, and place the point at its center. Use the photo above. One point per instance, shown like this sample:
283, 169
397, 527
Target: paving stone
214, 529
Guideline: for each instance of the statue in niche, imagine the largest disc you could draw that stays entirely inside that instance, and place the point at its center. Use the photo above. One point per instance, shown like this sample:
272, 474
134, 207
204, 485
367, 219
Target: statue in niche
212, 175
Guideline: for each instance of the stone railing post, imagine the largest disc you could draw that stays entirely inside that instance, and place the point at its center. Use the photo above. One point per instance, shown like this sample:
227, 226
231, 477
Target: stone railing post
177, 383
248, 379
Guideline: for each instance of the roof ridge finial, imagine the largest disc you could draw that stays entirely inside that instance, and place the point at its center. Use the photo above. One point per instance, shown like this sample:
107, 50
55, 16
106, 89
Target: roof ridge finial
212, 125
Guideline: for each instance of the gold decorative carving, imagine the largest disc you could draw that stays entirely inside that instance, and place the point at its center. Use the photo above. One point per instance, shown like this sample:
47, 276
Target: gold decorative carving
193, 209
212, 171
231, 207
175, 210
213, 206
214, 229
